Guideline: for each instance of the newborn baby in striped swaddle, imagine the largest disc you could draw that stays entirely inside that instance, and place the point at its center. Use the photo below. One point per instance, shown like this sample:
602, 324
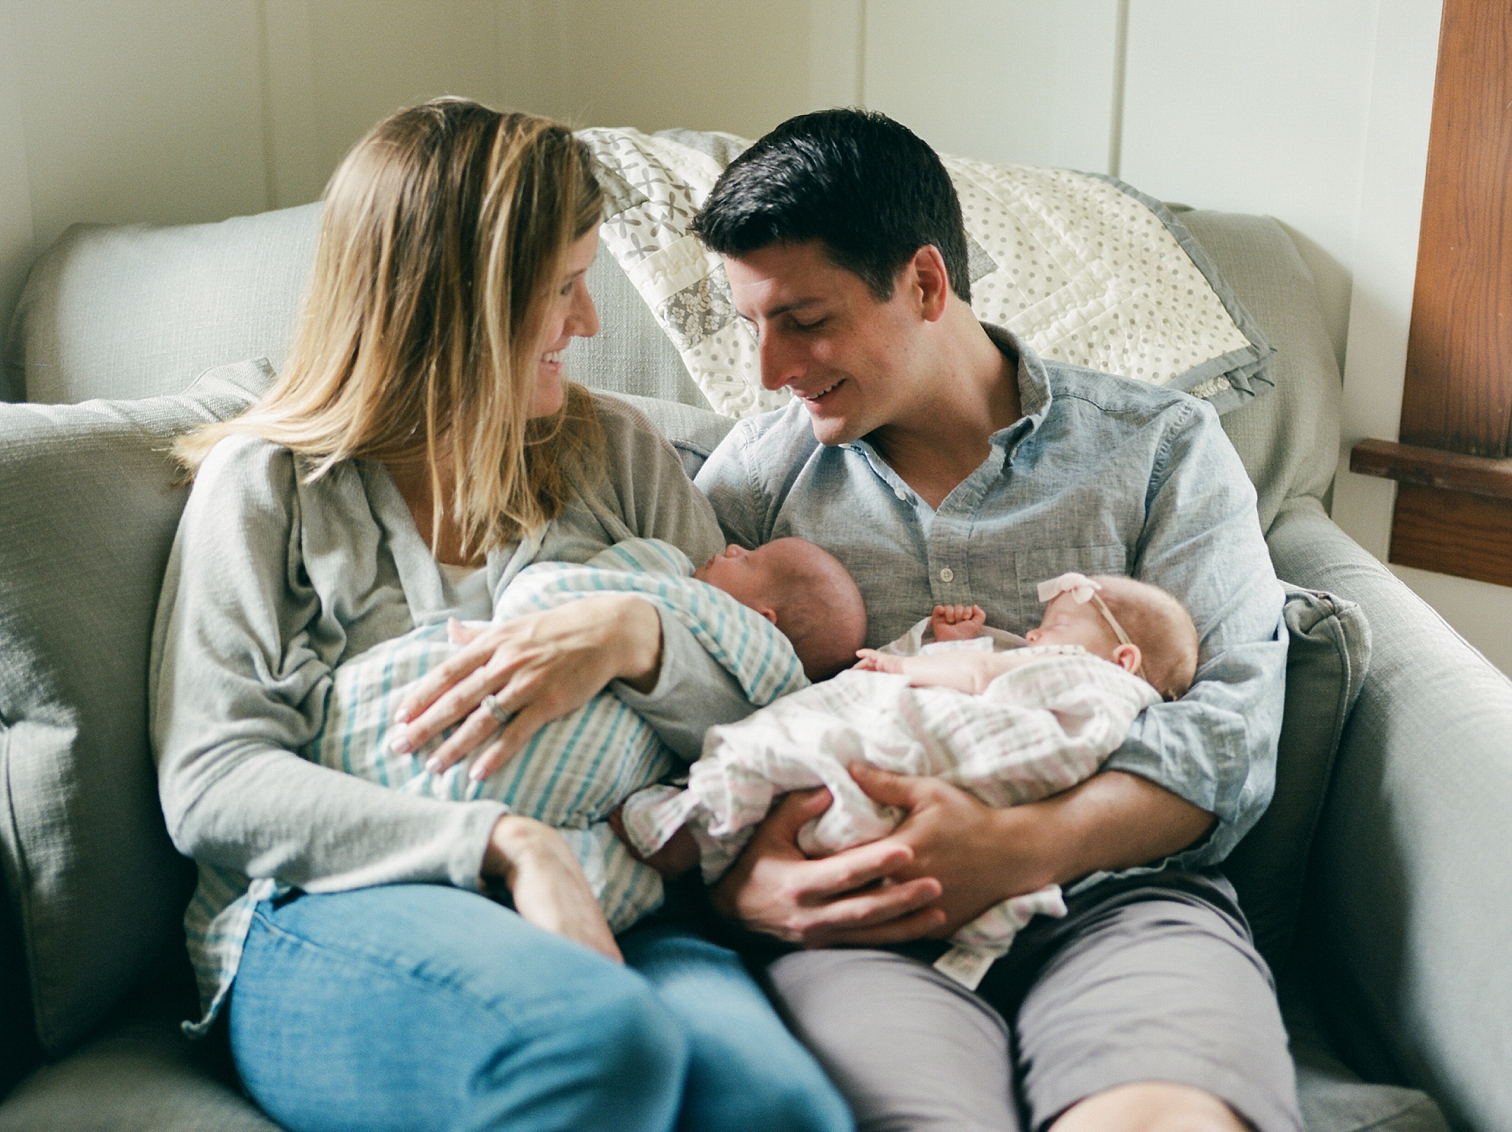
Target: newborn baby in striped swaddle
768, 616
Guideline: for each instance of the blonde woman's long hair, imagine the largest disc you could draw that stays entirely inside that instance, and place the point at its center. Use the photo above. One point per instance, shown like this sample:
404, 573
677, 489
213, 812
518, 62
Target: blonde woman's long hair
443, 238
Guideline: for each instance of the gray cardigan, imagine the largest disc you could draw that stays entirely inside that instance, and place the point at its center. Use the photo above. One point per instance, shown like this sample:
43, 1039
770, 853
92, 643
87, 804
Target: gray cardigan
272, 582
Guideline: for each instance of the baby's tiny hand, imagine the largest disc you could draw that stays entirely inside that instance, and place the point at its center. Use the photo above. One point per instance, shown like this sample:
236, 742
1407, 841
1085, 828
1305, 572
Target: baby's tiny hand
874, 661
957, 622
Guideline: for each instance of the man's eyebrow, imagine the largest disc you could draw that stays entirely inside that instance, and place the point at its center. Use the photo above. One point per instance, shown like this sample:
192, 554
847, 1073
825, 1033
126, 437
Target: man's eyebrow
785, 308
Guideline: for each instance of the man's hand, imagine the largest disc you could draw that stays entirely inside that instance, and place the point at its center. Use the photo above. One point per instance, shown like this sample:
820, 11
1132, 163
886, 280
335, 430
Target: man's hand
981, 855
970, 848
950, 859
851, 897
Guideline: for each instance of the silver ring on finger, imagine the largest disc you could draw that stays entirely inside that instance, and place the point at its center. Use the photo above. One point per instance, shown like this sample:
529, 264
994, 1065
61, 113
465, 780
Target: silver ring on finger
496, 709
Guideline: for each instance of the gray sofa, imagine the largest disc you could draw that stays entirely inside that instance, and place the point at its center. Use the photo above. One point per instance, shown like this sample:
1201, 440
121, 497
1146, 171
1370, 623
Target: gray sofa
1379, 883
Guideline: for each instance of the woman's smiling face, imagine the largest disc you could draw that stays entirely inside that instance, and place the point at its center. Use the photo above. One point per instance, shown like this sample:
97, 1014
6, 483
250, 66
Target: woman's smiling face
570, 314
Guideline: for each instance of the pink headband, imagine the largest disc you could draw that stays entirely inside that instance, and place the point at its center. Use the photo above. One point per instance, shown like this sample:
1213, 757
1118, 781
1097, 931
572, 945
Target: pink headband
1082, 590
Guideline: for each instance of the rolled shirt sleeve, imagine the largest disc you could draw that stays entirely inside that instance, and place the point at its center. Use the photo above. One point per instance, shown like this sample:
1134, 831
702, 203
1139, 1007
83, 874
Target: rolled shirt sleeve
1216, 746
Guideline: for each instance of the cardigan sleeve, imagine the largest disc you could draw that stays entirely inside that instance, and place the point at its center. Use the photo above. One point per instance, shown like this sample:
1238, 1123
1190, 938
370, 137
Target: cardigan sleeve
241, 665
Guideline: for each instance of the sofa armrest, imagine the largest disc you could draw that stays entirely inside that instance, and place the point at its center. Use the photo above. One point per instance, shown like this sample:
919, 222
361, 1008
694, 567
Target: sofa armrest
1410, 887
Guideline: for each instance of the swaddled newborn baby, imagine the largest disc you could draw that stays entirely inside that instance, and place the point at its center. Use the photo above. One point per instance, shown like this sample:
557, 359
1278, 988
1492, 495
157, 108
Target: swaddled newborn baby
766, 615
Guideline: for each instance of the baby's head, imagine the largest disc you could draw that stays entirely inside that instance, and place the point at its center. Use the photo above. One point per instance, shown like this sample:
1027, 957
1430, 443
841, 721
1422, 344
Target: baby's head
1137, 626
804, 591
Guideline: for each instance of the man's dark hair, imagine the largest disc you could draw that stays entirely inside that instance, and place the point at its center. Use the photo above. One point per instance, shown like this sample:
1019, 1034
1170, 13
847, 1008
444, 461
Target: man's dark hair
866, 187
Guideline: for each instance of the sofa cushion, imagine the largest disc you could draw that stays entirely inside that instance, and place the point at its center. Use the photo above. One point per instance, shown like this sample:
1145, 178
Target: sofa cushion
1332, 1097
139, 310
18, 1038
137, 1075
88, 510
1326, 661
1084, 268
1288, 439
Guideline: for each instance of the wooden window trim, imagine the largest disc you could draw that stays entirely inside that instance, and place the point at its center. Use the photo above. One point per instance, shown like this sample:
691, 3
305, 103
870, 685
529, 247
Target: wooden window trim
1453, 511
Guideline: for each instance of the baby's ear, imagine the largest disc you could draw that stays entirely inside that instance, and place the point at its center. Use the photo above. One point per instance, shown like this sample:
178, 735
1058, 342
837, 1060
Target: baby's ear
766, 611
1127, 657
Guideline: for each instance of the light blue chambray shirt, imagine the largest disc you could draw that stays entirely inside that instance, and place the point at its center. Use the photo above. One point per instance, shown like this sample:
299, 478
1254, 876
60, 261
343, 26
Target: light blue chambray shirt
1102, 474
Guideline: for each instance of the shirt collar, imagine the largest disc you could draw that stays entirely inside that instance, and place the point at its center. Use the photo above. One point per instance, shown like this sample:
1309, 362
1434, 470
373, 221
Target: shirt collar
1034, 402
1033, 383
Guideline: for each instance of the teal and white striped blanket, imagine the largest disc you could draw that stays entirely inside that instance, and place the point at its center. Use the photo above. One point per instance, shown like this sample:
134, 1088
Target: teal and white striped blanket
580, 767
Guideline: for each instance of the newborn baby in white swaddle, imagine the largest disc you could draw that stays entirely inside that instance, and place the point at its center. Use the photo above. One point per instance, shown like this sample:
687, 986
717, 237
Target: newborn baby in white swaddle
1008, 726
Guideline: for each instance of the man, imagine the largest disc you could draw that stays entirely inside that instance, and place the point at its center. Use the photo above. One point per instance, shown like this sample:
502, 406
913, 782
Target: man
943, 462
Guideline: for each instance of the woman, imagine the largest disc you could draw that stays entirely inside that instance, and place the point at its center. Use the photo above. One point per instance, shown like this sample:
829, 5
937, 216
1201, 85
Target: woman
420, 444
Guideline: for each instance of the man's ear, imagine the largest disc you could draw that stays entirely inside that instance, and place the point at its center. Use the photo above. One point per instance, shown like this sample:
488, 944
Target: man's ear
1128, 657
931, 281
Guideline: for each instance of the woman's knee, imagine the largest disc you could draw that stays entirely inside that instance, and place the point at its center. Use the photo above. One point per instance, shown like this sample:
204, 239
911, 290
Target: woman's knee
617, 1061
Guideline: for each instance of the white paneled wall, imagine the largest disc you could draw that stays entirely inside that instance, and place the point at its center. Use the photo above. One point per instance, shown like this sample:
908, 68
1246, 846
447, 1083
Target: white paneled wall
1026, 81
173, 111
1314, 111
1263, 110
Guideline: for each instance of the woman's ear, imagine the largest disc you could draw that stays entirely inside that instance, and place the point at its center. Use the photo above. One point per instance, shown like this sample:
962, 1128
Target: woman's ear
1128, 657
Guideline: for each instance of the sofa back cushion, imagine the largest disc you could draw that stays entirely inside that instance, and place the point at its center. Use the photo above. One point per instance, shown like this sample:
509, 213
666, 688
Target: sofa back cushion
141, 310
88, 509
1288, 439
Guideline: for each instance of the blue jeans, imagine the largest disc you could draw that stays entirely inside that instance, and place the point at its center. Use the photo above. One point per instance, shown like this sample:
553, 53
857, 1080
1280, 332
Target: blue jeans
414, 1007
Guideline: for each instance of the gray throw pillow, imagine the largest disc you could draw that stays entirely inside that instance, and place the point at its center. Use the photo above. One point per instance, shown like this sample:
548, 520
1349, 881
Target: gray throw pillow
89, 502
1325, 668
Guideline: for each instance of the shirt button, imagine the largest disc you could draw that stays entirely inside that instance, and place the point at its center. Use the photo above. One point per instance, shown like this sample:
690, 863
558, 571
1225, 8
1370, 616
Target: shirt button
947, 575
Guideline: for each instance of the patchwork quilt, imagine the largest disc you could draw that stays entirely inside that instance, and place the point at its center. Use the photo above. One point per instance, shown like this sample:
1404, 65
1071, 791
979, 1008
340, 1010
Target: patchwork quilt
1083, 267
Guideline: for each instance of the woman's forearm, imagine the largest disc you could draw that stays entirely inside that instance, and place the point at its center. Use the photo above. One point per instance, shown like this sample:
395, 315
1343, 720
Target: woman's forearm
640, 644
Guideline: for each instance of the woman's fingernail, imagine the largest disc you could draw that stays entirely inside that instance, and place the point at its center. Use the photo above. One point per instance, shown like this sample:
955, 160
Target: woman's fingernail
401, 715
433, 765
400, 743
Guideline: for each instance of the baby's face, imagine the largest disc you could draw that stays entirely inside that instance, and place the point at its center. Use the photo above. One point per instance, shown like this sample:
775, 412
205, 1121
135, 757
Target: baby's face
1069, 622
746, 575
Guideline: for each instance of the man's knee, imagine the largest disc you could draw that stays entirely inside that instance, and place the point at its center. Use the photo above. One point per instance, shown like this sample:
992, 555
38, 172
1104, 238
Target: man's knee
1151, 1106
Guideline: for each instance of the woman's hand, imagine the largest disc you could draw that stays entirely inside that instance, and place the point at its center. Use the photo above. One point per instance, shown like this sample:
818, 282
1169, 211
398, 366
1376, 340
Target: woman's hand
535, 668
547, 883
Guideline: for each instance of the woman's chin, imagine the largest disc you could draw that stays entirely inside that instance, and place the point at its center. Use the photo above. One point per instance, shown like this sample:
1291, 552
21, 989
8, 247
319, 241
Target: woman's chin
549, 395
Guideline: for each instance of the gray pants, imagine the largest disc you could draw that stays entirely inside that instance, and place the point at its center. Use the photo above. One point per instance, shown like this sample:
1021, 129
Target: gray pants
1150, 979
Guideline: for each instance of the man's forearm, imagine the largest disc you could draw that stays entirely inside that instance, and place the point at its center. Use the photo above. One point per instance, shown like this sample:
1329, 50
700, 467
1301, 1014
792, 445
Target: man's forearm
1111, 821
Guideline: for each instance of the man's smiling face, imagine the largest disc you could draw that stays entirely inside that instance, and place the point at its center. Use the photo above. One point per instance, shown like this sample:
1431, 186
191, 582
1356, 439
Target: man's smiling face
848, 357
